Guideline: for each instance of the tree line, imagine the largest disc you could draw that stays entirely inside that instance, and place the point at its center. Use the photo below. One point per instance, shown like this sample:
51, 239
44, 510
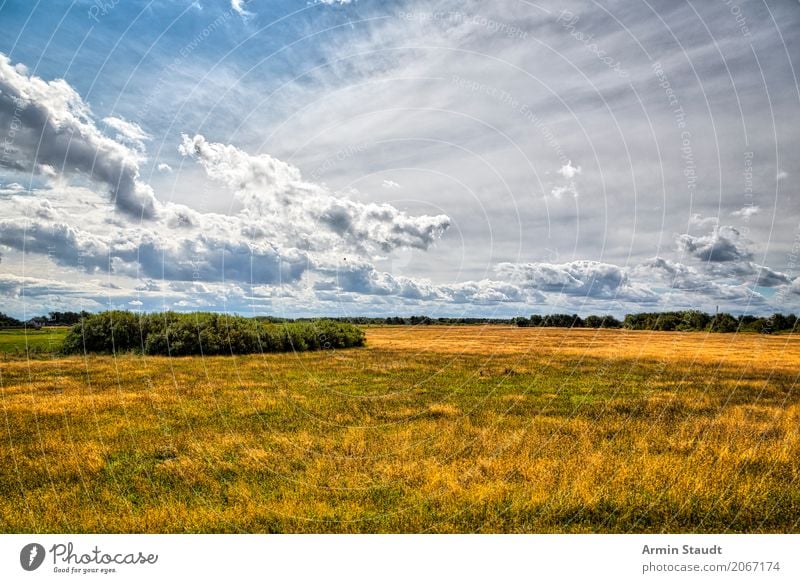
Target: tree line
51, 319
686, 320
681, 321
174, 334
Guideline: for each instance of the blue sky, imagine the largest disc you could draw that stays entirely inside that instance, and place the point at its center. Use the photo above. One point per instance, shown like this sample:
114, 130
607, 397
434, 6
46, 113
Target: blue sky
365, 157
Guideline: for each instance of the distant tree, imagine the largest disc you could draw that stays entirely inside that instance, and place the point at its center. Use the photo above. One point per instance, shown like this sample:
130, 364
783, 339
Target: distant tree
563, 321
8, 321
601, 322
693, 320
724, 323
65, 318
780, 323
791, 321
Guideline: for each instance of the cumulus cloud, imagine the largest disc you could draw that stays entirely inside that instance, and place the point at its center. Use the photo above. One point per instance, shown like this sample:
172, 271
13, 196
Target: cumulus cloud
722, 244
63, 243
678, 276
209, 249
767, 277
749, 272
487, 292
164, 168
310, 214
39, 295
50, 128
363, 278
13, 286
390, 184
128, 132
591, 279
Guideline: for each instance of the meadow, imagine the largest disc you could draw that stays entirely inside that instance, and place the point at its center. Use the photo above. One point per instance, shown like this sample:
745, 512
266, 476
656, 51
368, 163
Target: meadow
22, 342
425, 429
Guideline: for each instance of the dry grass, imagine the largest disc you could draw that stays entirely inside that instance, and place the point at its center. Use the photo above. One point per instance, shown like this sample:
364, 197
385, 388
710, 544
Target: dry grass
431, 429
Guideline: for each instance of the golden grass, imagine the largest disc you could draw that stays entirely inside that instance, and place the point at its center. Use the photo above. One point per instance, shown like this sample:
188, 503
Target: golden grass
430, 429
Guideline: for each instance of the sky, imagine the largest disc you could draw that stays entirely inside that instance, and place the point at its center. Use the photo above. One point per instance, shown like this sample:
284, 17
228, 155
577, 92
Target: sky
483, 159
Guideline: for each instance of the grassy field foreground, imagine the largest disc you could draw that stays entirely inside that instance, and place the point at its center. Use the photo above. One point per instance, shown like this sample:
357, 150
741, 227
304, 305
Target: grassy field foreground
431, 429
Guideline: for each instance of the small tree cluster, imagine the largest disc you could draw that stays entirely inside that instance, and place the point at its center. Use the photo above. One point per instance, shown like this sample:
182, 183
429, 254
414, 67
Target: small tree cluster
173, 334
8, 321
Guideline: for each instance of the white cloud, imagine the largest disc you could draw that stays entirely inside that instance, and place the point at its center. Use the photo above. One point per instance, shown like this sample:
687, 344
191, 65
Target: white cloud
390, 184
559, 191
569, 171
238, 7
698, 220
746, 212
129, 133
782, 175
55, 132
164, 167
308, 214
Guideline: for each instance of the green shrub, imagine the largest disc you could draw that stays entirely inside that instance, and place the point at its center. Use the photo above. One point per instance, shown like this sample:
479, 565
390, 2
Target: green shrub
172, 334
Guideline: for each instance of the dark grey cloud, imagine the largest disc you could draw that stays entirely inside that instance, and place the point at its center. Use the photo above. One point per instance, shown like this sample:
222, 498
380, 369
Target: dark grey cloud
722, 244
198, 255
678, 276
63, 243
588, 279
50, 130
749, 272
363, 278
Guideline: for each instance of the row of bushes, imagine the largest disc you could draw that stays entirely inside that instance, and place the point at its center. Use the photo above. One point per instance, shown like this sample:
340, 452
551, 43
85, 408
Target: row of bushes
173, 334
684, 321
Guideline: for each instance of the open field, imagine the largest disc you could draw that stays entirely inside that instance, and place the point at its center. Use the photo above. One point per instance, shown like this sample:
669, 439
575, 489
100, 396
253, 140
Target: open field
20, 342
430, 429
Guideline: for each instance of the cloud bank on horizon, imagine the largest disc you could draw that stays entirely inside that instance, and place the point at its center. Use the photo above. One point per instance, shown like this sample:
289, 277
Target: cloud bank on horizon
535, 176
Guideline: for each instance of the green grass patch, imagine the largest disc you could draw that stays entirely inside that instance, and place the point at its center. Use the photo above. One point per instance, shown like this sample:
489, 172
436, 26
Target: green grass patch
19, 341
